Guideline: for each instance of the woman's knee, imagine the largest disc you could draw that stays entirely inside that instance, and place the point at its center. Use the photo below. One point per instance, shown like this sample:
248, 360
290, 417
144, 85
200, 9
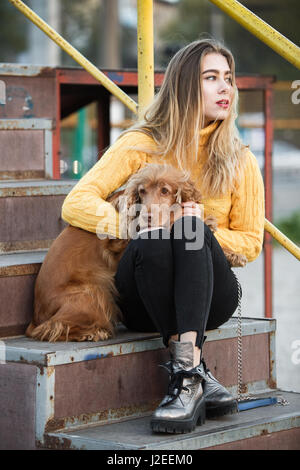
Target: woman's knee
154, 245
192, 231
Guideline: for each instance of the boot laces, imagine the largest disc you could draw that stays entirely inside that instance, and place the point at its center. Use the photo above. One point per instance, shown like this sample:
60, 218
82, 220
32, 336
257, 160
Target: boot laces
176, 381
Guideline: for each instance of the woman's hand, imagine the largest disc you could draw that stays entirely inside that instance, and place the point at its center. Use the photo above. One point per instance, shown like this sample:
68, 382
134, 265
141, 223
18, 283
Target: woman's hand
189, 208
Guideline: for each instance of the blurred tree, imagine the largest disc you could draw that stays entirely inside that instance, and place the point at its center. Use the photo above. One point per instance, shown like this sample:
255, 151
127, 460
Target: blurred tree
81, 25
252, 56
13, 40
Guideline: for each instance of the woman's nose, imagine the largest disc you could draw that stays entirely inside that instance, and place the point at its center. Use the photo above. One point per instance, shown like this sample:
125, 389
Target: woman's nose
224, 86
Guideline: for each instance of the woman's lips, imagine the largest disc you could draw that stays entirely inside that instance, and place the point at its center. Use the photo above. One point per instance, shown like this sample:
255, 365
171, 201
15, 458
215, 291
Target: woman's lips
223, 103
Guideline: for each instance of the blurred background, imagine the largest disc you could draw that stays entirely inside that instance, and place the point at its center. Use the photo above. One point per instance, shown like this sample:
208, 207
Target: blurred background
105, 32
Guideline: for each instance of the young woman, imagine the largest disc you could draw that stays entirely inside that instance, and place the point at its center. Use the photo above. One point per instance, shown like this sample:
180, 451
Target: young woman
163, 286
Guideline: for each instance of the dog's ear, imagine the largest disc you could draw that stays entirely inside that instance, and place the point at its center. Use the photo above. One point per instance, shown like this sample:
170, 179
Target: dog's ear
128, 209
114, 199
188, 192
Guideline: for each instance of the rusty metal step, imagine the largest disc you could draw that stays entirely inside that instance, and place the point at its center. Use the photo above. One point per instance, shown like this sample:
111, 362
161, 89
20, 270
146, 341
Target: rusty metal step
30, 213
273, 427
74, 384
26, 148
18, 272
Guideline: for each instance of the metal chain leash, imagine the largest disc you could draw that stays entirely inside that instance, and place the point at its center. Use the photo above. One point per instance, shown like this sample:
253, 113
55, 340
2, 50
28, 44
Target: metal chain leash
240, 396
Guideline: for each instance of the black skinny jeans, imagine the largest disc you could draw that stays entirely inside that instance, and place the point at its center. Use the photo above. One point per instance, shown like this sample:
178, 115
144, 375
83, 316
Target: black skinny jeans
165, 287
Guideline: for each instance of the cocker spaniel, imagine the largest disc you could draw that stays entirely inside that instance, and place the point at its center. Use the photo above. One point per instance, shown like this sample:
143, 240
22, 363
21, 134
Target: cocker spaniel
75, 295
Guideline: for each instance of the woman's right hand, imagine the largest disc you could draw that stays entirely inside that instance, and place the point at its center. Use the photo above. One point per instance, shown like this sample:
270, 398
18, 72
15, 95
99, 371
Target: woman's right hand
189, 208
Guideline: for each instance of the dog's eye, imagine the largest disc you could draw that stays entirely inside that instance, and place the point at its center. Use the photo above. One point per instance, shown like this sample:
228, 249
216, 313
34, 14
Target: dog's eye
164, 191
142, 191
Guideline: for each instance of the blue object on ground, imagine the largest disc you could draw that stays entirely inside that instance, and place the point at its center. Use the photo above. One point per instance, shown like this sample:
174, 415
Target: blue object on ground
256, 403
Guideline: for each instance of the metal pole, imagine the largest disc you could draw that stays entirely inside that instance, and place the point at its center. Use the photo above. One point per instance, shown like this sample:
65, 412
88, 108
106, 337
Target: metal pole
76, 55
279, 43
145, 54
268, 99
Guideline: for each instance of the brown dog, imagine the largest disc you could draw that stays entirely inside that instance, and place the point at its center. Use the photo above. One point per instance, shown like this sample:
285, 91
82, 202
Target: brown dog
75, 295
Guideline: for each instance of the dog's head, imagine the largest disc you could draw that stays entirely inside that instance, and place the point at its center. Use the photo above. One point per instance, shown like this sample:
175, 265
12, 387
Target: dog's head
152, 191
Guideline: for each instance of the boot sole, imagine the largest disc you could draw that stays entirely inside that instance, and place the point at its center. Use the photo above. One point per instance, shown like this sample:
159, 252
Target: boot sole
180, 426
227, 409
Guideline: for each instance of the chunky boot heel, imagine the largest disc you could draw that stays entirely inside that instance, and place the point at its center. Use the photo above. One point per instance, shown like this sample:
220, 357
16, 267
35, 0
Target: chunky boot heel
218, 400
184, 405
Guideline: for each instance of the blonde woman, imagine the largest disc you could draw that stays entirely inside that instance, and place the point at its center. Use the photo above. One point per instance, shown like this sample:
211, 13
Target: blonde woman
163, 286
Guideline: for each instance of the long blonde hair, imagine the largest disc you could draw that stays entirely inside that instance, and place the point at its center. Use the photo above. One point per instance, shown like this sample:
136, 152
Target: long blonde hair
176, 116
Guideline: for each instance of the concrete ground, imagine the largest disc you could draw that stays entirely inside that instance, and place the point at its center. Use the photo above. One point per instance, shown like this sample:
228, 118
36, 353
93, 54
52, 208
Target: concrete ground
286, 310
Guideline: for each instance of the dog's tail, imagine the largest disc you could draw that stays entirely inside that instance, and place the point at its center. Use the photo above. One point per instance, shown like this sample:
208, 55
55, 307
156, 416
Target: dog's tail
51, 330
71, 323
57, 330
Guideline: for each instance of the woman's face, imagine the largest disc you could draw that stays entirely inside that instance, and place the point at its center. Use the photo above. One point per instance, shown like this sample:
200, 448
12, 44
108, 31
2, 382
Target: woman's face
217, 87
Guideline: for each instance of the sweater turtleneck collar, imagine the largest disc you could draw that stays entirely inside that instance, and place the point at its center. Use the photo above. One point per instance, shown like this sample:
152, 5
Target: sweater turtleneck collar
206, 132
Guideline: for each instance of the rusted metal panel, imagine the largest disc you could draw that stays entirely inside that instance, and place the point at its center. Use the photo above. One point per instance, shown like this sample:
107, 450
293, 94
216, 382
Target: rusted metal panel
26, 124
35, 188
26, 148
221, 359
272, 358
30, 218
7, 247
16, 307
19, 270
282, 440
21, 175
25, 70
110, 384
22, 150
17, 406
28, 97
45, 398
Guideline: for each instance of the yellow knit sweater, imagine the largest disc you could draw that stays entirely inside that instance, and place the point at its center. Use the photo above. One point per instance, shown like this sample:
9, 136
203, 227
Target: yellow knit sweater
240, 214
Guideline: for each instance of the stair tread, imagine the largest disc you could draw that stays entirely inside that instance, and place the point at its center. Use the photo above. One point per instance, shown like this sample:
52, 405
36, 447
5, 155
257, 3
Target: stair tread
35, 187
36, 182
136, 434
125, 342
27, 257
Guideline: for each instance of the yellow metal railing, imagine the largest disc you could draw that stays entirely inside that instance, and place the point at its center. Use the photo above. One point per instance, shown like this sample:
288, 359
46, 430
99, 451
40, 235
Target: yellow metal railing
145, 54
242, 15
282, 239
262, 30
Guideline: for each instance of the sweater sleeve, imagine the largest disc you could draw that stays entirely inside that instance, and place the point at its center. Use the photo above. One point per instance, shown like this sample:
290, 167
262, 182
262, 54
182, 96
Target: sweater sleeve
247, 214
85, 206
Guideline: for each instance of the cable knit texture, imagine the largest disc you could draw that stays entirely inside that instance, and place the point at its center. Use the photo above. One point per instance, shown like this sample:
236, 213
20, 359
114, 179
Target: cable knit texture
240, 213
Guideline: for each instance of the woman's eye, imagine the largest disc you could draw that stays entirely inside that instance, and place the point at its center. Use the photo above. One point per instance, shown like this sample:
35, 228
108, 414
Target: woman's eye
211, 76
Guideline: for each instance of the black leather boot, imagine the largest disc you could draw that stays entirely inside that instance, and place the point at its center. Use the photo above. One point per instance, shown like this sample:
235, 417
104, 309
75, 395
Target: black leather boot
218, 401
184, 406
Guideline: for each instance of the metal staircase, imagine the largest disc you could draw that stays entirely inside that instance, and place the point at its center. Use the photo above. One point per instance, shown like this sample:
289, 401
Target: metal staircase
99, 395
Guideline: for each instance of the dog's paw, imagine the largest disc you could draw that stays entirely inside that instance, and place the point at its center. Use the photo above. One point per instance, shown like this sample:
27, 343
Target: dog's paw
97, 335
